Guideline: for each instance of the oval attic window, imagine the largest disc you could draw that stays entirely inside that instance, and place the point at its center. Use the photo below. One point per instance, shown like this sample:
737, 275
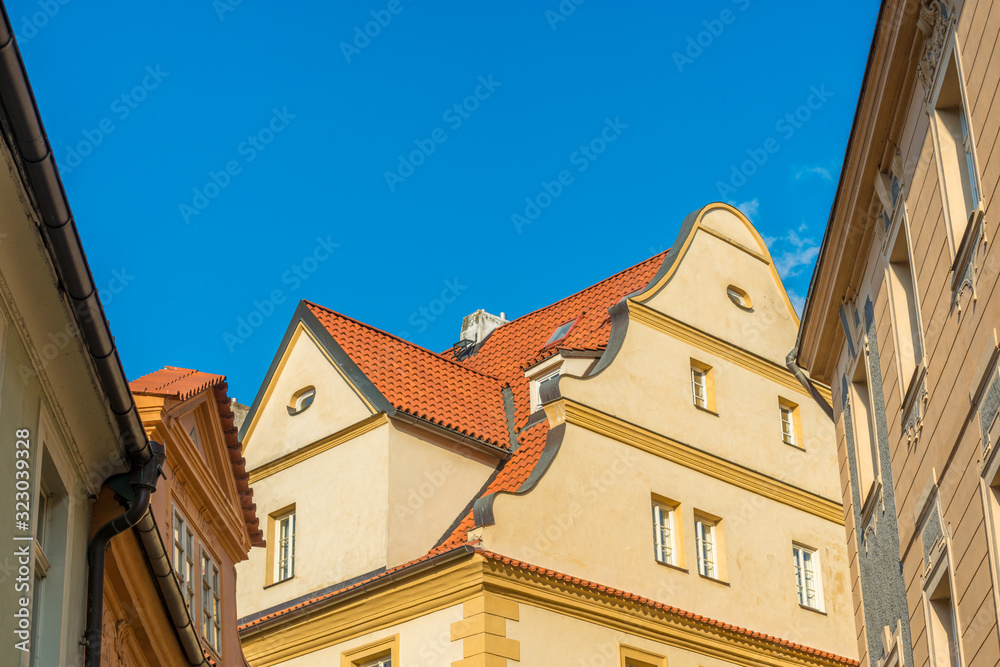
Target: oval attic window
738, 296
301, 400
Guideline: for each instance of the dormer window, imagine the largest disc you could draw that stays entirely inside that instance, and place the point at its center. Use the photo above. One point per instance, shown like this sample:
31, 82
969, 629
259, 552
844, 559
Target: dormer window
561, 332
536, 403
301, 400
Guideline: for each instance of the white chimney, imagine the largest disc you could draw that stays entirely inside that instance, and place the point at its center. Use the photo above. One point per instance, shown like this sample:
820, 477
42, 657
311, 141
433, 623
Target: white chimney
480, 324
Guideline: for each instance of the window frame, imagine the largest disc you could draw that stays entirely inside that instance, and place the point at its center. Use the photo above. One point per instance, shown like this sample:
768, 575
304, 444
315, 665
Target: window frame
362, 656
210, 609
187, 577
865, 491
659, 506
717, 543
630, 656
940, 576
274, 548
801, 584
536, 398
900, 232
707, 374
951, 56
794, 421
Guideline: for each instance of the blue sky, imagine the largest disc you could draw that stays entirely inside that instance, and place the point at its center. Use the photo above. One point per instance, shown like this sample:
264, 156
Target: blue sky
408, 162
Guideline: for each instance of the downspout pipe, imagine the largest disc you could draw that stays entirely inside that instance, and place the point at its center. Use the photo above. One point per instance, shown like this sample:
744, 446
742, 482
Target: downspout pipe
791, 361
142, 478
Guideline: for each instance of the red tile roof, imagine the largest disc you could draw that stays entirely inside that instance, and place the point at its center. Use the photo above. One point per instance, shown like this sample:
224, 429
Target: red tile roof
464, 393
515, 346
607, 590
179, 383
183, 383
420, 382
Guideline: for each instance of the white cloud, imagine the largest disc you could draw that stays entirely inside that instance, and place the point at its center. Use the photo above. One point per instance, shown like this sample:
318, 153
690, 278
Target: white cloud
791, 252
822, 172
749, 208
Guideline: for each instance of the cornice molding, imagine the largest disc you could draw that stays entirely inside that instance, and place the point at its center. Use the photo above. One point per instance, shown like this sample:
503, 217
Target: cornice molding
601, 606
570, 412
385, 609
318, 447
720, 348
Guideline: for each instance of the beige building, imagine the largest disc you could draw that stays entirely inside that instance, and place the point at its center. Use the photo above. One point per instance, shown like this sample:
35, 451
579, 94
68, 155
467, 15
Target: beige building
901, 320
629, 476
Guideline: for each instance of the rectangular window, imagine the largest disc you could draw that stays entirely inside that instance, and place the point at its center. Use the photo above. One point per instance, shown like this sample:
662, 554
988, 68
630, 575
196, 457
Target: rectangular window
903, 297
381, 653
702, 386
664, 533
865, 442
211, 623
807, 581
285, 557
788, 418
955, 154
942, 627
183, 557
704, 531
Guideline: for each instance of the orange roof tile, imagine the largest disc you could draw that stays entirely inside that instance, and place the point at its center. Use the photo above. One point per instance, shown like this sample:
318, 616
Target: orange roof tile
183, 383
420, 382
179, 383
521, 343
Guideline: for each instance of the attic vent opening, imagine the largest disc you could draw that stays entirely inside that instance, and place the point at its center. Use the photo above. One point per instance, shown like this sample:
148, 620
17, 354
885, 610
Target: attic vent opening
561, 332
301, 400
738, 296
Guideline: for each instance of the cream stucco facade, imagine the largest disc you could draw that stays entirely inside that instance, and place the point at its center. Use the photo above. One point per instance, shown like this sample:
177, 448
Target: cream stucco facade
561, 565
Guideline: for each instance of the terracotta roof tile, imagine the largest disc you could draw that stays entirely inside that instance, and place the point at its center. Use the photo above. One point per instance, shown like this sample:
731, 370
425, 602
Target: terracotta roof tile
420, 382
182, 384
179, 383
521, 343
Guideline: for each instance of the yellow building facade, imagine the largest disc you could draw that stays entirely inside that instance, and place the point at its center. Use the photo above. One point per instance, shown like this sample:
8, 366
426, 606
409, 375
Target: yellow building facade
630, 476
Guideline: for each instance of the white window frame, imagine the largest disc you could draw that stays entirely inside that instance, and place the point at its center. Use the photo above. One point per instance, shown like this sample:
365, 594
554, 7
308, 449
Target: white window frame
284, 548
699, 387
182, 558
807, 569
786, 414
706, 546
665, 533
211, 602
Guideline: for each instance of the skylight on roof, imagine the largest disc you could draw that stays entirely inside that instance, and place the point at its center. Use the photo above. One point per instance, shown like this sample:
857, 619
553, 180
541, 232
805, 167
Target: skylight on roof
560, 332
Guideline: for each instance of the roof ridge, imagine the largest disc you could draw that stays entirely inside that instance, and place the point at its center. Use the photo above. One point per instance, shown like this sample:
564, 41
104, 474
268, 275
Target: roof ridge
589, 287
406, 342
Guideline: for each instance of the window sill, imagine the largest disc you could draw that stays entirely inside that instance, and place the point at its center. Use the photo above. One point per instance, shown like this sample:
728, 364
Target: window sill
793, 446
674, 567
709, 411
278, 583
710, 578
812, 609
